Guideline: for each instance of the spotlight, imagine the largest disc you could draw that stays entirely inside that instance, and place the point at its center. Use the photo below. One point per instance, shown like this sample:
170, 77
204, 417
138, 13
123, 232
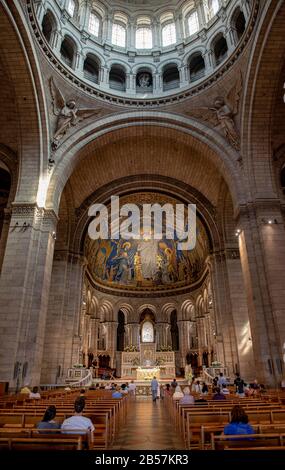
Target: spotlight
270, 221
238, 231
53, 235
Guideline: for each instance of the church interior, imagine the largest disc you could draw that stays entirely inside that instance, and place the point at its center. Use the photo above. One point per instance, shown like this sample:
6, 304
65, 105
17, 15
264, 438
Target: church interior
177, 103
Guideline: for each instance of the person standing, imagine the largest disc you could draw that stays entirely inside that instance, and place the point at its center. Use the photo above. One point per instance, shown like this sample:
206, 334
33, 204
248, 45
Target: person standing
154, 388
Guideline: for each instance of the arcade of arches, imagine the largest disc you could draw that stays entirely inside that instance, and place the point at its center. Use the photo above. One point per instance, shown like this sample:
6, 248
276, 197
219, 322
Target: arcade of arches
68, 141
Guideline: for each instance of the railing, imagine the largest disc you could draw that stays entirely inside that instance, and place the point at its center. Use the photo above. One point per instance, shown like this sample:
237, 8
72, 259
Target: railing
85, 382
207, 377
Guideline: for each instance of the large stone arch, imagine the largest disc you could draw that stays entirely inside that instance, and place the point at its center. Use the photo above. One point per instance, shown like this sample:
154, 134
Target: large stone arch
263, 75
18, 55
206, 140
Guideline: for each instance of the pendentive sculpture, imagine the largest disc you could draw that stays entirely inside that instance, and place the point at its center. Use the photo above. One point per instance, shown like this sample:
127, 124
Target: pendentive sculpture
222, 113
67, 112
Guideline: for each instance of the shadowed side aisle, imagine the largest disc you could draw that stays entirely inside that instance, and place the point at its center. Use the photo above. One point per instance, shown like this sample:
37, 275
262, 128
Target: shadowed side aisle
148, 427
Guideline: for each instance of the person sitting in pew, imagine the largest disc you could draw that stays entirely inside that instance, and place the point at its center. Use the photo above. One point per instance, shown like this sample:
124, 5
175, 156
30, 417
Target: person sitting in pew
35, 393
218, 394
188, 399
25, 390
78, 423
239, 422
48, 419
117, 393
178, 393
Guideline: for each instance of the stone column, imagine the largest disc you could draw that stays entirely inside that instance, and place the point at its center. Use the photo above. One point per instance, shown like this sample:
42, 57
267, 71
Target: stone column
94, 334
262, 251
201, 14
179, 28
63, 332
24, 288
111, 343
40, 11
246, 8
225, 332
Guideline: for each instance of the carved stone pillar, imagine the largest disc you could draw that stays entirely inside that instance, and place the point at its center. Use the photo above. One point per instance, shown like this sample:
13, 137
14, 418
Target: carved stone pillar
24, 288
63, 332
262, 251
225, 332
111, 343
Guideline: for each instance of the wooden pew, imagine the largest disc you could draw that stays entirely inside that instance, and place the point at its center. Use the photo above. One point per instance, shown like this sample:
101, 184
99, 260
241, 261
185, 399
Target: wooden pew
245, 442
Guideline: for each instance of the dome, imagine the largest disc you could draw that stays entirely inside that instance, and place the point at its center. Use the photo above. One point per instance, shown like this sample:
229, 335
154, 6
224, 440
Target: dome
146, 265
143, 51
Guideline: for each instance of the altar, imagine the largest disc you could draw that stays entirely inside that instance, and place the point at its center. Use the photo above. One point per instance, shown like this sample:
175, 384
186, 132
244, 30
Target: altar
147, 373
146, 363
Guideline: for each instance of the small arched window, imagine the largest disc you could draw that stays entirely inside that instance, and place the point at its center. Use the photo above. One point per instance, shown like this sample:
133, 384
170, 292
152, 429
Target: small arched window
168, 34
238, 22
171, 78
196, 67
117, 78
144, 37
91, 69
67, 51
119, 35
48, 26
193, 23
70, 7
220, 49
94, 24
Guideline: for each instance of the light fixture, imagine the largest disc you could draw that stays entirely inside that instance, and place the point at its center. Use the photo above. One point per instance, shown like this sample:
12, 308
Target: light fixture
269, 221
53, 235
238, 231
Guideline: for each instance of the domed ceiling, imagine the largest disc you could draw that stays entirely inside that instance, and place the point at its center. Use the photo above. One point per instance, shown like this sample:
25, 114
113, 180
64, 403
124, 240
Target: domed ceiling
146, 265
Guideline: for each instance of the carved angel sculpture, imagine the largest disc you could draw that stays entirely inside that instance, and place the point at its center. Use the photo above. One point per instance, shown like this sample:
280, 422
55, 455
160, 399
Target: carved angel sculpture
222, 113
67, 114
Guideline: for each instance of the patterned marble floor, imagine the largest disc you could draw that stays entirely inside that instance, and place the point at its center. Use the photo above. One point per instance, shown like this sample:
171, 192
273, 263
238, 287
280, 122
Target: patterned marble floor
148, 427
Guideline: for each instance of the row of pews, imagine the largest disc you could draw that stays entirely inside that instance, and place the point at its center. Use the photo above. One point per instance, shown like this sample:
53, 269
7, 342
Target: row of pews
19, 416
201, 425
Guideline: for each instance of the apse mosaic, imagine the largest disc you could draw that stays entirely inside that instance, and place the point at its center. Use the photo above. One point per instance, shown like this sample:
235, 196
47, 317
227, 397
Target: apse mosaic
146, 264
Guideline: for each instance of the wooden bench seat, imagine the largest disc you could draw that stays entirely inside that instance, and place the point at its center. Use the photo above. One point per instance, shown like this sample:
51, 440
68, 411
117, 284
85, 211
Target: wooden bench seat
248, 441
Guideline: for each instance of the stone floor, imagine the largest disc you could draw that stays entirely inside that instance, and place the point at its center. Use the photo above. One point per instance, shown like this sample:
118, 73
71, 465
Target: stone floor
148, 427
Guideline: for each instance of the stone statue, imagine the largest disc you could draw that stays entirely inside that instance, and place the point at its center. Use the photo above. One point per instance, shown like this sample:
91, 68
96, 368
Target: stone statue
188, 373
222, 113
144, 80
68, 114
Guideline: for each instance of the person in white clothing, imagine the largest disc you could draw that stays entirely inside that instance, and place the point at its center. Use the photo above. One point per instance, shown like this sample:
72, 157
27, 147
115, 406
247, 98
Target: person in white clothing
35, 393
178, 393
78, 423
132, 389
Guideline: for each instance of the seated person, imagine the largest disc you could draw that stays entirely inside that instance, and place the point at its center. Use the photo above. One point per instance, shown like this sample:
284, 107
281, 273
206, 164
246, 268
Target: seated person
35, 393
205, 389
188, 399
82, 393
117, 393
48, 419
239, 422
225, 390
78, 423
124, 389
218, 394
25, 389
167, 391
178, 393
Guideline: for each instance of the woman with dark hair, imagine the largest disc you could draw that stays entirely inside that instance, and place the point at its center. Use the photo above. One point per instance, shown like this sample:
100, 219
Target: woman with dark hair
239, 422
48, 419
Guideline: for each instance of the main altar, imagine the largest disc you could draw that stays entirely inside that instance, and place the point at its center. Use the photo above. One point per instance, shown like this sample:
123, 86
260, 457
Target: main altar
146, 363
